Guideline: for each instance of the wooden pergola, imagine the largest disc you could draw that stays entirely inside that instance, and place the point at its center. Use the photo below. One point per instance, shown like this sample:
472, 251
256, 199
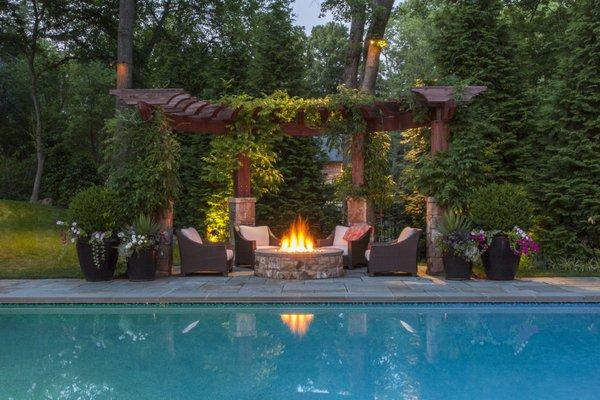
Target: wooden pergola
186, 113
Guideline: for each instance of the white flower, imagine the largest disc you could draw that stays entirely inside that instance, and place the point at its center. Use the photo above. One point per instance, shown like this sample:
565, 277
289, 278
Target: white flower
74, 224
60, 223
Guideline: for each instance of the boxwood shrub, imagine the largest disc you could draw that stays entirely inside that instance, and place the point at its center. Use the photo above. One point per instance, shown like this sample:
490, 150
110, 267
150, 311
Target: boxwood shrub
501, 207
96, 209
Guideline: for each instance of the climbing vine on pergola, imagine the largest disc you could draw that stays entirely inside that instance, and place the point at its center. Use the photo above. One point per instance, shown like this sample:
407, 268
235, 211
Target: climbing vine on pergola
308, 117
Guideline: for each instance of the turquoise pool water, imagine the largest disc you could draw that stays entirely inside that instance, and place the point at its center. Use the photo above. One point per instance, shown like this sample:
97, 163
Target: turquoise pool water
300, 352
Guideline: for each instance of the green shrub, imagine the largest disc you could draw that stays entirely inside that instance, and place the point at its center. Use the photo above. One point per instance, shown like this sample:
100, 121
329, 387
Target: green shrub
142, 162
96, 209
501, 207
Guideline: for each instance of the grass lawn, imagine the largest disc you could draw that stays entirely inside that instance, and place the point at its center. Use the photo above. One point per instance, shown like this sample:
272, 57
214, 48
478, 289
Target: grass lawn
30, 244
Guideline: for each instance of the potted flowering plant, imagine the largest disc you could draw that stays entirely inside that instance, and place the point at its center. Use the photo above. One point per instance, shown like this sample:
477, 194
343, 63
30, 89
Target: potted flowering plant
503, 211
460, 248
139, 246
94, 214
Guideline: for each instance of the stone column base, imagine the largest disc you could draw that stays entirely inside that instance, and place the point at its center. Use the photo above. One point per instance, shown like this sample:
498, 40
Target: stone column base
358, 210
435, 264
241, 212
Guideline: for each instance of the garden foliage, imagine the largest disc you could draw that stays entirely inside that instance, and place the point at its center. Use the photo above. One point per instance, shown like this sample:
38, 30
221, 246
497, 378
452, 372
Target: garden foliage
142, 163
501, 207
97, 209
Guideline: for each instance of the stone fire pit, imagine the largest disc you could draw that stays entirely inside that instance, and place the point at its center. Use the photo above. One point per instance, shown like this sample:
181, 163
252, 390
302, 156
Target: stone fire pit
318, 264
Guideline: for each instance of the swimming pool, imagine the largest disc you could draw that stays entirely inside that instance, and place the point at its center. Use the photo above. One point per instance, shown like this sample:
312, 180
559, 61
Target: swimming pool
300, 352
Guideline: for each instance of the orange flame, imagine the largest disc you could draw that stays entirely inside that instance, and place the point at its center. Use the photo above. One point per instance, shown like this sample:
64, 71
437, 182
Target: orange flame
298, 238
298, 323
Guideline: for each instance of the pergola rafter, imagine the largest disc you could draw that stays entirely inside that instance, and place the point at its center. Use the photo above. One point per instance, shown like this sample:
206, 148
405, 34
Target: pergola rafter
186, 113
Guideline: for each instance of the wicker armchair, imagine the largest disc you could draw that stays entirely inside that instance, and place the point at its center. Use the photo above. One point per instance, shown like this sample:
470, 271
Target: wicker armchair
247, 239
398, 256
354, 250
197, 256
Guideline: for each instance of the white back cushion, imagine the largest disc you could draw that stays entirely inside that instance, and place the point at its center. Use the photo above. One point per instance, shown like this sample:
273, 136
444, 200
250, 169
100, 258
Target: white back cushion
259, 234
338, 236
192, 234
405, 234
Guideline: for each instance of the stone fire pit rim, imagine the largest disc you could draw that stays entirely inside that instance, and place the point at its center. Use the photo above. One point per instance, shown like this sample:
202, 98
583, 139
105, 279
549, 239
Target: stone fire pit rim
318, 252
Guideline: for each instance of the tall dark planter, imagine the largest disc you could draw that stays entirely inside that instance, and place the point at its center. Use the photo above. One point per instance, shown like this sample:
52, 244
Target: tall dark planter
106, 269
457, 267
141, 266
499, 261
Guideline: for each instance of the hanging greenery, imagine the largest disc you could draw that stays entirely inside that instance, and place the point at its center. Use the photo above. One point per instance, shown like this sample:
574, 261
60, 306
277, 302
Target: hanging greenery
256, 132
341, 128
142, 162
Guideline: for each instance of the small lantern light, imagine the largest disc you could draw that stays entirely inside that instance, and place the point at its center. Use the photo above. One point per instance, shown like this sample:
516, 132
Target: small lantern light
381, 43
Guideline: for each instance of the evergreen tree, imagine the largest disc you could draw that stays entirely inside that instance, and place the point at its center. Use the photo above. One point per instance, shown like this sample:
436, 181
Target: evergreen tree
326, 50
190, 206
490, 138
278, 63
567, 182
303, 191
277, 52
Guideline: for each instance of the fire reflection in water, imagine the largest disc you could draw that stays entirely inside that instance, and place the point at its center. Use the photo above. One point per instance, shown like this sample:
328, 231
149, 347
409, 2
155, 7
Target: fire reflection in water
298, 323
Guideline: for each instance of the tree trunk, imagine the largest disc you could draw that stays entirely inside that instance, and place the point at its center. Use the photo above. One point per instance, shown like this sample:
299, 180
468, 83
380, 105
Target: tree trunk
357, 31
38, 135
125, 45
379, 21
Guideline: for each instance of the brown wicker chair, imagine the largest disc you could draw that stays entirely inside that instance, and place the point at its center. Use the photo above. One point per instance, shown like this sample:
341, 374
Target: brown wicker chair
354, 250
398, 256
245, 246
197, 256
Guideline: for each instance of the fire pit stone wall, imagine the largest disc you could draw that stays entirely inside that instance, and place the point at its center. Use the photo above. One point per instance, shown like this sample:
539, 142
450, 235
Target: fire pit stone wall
319, 264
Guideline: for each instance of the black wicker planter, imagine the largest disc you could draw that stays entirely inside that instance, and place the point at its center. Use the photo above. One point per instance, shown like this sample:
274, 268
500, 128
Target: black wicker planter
106, 269
456, 267
141, 266
499, 261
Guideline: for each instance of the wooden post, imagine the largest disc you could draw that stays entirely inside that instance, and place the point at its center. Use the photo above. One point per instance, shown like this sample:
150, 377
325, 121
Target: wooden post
358, 207
242, 207
242, 186
440, 132
439, 142
358, 160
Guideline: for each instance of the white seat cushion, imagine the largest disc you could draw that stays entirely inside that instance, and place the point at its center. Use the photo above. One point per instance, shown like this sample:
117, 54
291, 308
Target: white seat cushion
266, 247
338, 247
259, 234
368, 254
338, 236
192, 234
406, 232
229, 254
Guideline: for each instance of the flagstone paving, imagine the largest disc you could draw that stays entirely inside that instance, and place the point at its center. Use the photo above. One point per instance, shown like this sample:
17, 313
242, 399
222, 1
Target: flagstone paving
242, 287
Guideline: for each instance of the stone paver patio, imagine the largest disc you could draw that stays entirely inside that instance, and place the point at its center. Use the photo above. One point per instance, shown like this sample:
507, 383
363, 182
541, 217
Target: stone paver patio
241, 286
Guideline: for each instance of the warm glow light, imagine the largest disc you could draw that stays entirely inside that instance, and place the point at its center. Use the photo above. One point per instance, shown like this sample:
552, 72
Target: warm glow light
298, 239
298, 323
381, 43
